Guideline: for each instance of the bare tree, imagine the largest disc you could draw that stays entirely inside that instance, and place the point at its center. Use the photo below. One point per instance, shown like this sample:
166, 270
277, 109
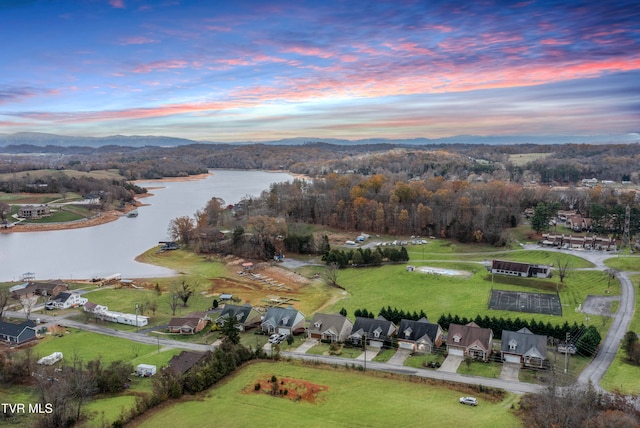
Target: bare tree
562, 269
28, 304
331, 274
184, 293
173, 301
4, 299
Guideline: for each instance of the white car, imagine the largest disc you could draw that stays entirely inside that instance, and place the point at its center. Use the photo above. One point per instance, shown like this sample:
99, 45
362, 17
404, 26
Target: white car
471, 401
274, 338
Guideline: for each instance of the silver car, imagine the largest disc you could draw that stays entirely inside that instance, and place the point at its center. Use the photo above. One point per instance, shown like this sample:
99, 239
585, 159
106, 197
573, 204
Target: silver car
471, 401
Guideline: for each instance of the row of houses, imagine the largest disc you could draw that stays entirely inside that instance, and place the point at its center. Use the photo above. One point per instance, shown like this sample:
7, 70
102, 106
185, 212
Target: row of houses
593, 242
417, 336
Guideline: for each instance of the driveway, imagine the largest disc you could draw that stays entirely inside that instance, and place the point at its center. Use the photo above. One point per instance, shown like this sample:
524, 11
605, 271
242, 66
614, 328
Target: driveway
308, 344
368, 355
399, 357
510, 372
451, 363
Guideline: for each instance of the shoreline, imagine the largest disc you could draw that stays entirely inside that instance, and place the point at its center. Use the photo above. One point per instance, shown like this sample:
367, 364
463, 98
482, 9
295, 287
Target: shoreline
102, 218
113, 215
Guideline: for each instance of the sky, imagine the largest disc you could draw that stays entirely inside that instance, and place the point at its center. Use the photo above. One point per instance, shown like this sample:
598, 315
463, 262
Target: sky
266, 70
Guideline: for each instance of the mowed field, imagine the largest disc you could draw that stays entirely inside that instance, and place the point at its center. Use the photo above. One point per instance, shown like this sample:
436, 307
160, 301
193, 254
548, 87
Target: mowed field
345, 398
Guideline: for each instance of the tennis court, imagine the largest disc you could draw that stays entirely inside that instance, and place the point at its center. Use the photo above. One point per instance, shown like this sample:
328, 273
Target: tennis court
518, 301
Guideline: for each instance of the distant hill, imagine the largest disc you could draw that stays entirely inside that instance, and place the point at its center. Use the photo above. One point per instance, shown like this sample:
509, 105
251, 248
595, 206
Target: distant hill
33, 140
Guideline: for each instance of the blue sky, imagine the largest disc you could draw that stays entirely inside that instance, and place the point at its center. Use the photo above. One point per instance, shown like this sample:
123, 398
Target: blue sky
265, 70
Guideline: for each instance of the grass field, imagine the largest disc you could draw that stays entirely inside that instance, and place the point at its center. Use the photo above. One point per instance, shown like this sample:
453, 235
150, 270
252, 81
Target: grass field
111, 174
351, 399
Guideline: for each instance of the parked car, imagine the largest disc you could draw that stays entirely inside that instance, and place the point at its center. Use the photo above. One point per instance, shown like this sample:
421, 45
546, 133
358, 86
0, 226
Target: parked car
282, 336
275, 338
471, 401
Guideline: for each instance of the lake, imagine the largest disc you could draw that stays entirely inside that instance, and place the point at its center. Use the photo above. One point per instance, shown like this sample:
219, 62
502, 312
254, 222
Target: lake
111, 248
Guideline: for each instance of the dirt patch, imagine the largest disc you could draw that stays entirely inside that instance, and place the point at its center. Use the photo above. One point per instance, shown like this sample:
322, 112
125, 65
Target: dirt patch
287, 388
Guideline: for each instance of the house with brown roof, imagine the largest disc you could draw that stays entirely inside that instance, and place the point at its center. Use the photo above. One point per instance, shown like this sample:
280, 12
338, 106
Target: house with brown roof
470, 340
419, 336
192, 323
330, 327
505, 267
181, 364
50, 288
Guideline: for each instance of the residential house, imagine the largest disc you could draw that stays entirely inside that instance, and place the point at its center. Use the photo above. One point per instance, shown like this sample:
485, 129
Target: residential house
283, 320
470, 340
50, 289
94, 308
246, 316
181, 364
192, 323
374, 331
419, 336
17, 334
504, 267
523, 347
33, 211
330, 327
66, 300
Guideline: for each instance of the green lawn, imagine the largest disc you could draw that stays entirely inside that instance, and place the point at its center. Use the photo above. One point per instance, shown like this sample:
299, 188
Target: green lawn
479, 368
419, 361
352, 398
88, 346
392, 285
345, 351
626, 263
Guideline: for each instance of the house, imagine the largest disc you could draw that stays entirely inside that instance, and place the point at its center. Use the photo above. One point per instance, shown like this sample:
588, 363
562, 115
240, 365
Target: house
33, 211
419, 336
50, 288
523, 347
283, 320
94, 308
330, 327
470, 340
246, 316
17, 334
504, 267
376, 331
66, 300
192, 323
180, 364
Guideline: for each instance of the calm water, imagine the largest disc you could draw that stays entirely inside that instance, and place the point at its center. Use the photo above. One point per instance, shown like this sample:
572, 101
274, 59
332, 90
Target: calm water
111, 248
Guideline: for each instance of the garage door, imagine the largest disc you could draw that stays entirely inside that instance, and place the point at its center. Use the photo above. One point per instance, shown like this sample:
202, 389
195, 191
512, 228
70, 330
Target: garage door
457, 352
405, 345
511, 359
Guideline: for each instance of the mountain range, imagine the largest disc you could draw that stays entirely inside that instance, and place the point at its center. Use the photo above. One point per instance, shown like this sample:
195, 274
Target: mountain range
39, 139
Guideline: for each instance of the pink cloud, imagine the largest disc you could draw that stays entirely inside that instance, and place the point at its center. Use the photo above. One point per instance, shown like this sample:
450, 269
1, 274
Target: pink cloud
160, 66
137, 40
118, 4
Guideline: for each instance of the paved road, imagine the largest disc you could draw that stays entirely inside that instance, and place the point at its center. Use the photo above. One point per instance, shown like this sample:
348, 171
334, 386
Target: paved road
100, 329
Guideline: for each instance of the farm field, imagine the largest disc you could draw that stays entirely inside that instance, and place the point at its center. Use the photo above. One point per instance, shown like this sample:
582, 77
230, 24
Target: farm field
382, 401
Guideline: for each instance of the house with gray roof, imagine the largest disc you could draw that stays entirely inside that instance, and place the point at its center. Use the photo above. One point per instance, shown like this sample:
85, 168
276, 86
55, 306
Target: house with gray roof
17, 334
523, 347
375, 331
246, 316
283, 320
330, 327
419, 336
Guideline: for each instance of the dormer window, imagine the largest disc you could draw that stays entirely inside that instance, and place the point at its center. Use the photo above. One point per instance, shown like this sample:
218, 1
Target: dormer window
317, 324
513, 345
456, 339
239, 317
407, 333
376, 332
285, 320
